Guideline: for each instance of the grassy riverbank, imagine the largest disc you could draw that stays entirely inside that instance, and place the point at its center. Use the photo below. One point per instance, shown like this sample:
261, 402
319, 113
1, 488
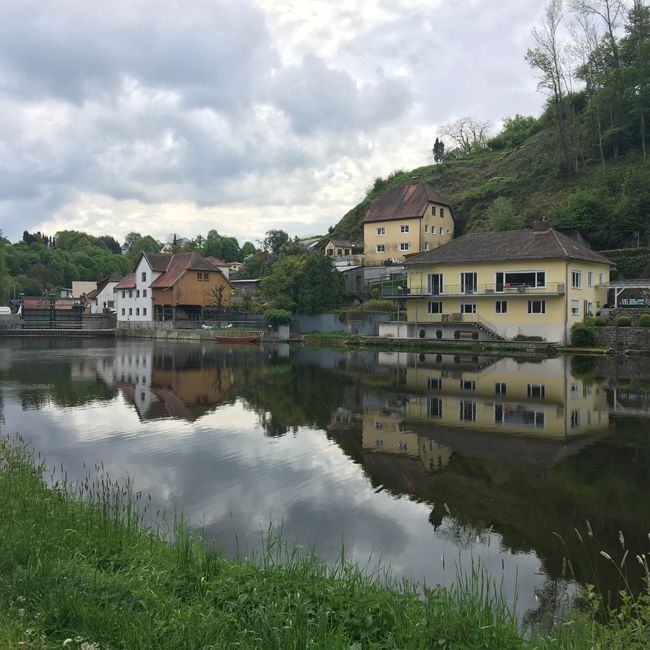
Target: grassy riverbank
87, 573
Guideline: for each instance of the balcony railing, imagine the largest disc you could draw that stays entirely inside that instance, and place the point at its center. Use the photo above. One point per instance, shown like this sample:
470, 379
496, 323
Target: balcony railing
451, 291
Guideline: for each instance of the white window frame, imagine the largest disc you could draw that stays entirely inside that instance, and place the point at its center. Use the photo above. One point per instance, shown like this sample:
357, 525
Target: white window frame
576, 279
430, 284
575, 308
430, 307
426, 227
501, 307
404, 246
404, 228
380, 248
540, 389
465, 305
381, 231
542, 311
590, 279
442, 230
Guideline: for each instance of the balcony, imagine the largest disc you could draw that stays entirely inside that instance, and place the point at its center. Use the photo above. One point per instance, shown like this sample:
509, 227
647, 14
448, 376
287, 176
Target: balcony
481, 290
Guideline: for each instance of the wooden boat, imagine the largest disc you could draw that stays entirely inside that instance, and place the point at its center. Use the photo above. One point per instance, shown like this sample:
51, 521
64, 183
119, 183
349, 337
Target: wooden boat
239, 337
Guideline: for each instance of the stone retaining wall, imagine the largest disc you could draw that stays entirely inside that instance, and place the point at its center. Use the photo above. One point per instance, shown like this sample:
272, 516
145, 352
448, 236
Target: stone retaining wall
623, 338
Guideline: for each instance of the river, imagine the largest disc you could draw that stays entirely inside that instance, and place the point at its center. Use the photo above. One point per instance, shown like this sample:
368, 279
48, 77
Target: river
421, 463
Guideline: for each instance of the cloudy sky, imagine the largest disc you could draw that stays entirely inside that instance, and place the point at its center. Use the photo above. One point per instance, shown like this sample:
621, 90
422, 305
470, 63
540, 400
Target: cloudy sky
166, 116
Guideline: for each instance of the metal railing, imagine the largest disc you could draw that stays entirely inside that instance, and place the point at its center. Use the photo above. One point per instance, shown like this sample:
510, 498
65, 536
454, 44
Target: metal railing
450, 291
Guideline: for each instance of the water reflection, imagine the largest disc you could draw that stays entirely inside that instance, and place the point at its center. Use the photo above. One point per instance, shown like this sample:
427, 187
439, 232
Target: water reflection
410, 457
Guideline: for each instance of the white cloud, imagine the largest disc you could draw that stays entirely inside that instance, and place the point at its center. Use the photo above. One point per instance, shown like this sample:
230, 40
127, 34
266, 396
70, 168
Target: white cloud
237, 114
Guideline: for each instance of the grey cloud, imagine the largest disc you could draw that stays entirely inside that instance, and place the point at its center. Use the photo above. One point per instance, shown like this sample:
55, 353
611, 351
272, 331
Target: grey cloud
317, 97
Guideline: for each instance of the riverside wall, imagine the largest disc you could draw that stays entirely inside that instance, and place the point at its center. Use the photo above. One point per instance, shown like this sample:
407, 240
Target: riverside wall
624, 338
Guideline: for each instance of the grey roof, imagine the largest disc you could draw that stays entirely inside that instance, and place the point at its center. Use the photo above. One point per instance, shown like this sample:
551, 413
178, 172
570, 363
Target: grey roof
404, 202
508, 245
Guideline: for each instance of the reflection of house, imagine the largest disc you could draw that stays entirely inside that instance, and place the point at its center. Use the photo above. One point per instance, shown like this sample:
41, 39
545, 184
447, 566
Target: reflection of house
510, 396
406, 220
166, 287
532, 282
160, 389
384, 431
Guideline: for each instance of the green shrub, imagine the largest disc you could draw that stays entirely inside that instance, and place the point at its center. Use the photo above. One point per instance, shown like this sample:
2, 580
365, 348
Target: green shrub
277, 317
623, 321
644, 321
523, 337
583, 335
599, 321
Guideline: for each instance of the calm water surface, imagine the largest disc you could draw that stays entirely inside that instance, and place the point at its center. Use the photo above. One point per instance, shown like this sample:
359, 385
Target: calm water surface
423, 462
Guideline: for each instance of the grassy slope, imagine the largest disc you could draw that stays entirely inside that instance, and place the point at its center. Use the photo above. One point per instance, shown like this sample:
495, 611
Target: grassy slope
87, 574
526, 174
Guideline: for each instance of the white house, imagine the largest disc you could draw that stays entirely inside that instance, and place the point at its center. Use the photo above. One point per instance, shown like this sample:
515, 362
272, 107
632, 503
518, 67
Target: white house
104, 295
133, 293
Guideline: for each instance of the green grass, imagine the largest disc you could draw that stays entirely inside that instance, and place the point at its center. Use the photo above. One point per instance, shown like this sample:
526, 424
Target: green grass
89, 568
80, 568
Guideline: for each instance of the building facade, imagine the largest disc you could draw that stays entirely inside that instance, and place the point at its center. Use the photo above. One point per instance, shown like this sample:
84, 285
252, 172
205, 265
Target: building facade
406, 220
535, 282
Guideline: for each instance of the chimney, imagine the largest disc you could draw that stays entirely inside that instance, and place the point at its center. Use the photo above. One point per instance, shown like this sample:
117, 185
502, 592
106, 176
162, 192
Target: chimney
540, 226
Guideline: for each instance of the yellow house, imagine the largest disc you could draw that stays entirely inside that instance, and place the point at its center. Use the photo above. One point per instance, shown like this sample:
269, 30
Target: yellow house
404, 221
338, 248
533, 282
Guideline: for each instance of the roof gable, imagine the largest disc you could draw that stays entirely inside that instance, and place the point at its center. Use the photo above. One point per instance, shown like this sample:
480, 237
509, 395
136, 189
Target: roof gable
404, 202
502, 246
127, 282
178, 265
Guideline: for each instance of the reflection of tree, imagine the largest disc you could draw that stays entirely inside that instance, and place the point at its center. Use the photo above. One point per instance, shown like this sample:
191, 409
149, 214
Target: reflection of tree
553, 600
287, 395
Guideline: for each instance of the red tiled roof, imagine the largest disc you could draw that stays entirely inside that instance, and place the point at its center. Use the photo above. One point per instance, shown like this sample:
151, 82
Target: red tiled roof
404, 202
178, 265
127, 282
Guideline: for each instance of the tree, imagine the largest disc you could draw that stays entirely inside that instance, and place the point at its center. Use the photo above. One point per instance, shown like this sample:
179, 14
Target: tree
218, 300
438, 151
548, 57
131, 239
501, 215
281, 285
247, 249
320, 285
275, 241
468, 133
111, 243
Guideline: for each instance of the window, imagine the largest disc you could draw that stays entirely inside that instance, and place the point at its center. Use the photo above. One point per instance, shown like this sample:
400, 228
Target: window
467, 384
123, 311
468, 308
442, 213
576, 279
590, 279
404, 246
442, 230
404, 228
434, 284
144, 276
502, 307
516, 279
144, 311
536, 391
137, 311
380, 248
426, 227
589, 309
339, 251
123, 294
537, 306
330, 252
467, 410
130, 293
500, 388
381, 230
137, 293
434, 407
426, 245
575, 419
434, 383
130, 311
575, 391
600, 279
575, 308
199, 276
434, 307
379, 442
144, 293
468, 282
433, 210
